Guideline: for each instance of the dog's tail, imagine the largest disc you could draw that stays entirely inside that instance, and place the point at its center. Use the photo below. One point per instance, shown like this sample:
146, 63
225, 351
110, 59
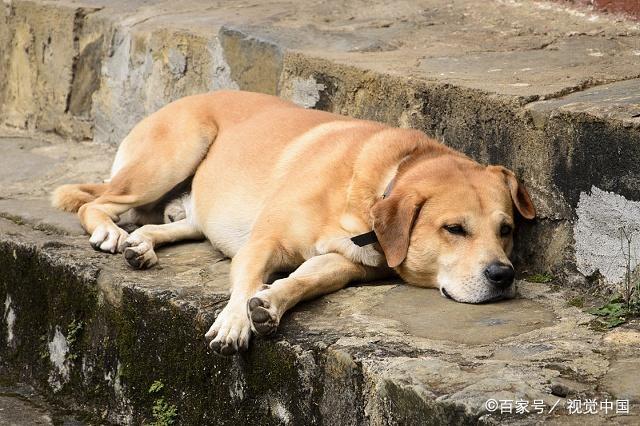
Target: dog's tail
70, 198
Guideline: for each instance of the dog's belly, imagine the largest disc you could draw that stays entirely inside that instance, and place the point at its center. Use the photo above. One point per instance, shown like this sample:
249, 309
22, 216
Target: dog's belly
227, 232
226, 202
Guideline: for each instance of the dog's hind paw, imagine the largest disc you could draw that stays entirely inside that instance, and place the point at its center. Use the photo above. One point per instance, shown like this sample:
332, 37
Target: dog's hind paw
264, 318
230, 332
139, 253
108, 238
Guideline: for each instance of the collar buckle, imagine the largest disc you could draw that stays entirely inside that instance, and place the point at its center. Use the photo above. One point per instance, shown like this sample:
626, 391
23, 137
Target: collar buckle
370, 237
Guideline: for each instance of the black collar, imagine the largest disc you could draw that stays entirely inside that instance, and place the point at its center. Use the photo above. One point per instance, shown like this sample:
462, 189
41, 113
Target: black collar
370, 237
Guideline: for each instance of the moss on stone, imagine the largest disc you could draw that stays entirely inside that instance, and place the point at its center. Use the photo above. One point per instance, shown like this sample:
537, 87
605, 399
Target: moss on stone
117, 351
45, 295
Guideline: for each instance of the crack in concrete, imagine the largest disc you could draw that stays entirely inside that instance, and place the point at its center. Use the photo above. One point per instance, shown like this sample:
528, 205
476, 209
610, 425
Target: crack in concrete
583, 86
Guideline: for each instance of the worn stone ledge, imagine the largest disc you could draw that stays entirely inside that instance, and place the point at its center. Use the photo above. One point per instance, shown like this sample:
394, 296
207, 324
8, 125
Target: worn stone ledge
93, 335
132, 334
496, 82
558, 105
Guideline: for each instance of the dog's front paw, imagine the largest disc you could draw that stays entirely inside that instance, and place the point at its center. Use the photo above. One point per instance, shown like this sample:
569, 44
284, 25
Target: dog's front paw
230, 332
139, 253
263, 314
108, 238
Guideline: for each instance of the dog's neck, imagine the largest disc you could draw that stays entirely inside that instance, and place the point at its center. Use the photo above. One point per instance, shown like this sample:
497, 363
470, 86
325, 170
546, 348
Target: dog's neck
370, 237
377, 170
374, 176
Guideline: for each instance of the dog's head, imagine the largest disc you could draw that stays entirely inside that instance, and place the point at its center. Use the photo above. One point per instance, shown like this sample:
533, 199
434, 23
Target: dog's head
448, 223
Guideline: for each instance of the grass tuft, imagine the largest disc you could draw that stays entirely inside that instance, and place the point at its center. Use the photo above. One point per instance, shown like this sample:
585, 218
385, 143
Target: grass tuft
540, 278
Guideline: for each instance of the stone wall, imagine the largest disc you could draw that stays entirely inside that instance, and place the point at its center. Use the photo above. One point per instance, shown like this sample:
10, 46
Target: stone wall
92, 71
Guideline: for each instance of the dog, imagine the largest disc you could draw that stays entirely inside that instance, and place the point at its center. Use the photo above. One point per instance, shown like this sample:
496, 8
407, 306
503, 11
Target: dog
328, 198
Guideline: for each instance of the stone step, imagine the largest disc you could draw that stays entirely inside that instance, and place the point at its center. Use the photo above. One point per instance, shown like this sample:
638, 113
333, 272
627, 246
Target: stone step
547, 91
552, 93
95, 336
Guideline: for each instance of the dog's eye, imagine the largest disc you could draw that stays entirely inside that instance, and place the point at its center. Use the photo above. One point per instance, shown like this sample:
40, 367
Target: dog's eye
505, 230
455, 229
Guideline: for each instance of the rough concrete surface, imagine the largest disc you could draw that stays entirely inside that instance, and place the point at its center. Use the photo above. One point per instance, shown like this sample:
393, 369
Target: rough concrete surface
94, 335
607, 235
549, 91
16, 412
21, 405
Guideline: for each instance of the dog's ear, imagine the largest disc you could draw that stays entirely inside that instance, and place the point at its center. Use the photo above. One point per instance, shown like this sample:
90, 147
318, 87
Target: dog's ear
393, 219
519, 193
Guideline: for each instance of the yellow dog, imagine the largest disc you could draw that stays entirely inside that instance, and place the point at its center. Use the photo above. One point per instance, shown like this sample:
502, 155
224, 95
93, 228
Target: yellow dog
332, 199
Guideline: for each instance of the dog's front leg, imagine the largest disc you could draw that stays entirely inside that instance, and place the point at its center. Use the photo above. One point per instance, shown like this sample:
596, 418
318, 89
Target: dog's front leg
250, 268
317, 276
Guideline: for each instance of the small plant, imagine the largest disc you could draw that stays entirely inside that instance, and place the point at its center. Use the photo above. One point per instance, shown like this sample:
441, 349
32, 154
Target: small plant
611, 314
163, 413
577, 302
44, 349
626, 304
156, 386
73, 333
540, 278
631, 282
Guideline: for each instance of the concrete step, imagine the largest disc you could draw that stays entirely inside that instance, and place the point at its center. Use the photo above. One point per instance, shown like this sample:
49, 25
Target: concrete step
94, 336
548, 91
21, 405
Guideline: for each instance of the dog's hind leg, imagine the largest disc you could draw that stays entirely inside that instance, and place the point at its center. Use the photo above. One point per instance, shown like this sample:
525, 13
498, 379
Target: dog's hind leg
154, 162
317, 276
130, 188
139, 246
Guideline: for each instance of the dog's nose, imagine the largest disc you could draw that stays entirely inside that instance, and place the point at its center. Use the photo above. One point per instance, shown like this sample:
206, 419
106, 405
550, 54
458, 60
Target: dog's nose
500, 274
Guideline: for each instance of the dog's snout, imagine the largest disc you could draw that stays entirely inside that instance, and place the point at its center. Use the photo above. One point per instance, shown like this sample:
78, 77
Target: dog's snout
500, 274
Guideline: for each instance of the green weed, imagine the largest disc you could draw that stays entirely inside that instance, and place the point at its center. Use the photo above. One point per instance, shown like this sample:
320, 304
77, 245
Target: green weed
614, 313
164, 414
540, 278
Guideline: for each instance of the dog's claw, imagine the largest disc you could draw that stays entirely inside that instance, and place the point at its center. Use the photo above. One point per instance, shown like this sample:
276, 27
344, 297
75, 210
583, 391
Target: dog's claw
215, 345
210, 336
139, 253
230, 332
228, 350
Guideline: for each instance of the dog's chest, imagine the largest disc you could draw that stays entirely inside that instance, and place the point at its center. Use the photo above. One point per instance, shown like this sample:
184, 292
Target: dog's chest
366, 255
